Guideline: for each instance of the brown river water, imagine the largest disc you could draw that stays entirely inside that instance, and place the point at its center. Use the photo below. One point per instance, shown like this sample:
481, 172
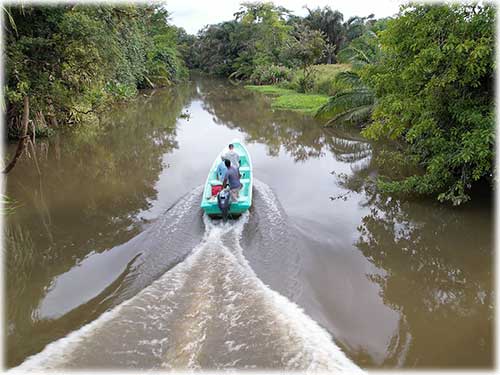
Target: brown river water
110, 262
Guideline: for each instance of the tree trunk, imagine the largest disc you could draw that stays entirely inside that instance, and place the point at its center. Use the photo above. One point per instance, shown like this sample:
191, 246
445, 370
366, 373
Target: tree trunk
52, 114
24, 136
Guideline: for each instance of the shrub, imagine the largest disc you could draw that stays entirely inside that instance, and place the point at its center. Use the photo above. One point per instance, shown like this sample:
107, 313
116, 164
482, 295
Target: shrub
270, 74
121, 91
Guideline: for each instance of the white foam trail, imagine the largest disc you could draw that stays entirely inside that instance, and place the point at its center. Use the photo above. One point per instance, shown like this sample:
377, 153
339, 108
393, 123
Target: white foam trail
57, 353
299, 342
314, 340
269, 199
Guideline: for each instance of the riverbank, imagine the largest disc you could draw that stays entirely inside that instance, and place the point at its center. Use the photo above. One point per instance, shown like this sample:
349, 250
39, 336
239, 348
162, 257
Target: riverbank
287, 96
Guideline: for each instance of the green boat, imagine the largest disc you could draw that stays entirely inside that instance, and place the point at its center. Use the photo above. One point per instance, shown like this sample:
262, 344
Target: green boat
209, 202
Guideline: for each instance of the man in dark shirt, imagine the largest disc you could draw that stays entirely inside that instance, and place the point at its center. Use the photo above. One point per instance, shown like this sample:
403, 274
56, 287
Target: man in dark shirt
221, 169
232, 177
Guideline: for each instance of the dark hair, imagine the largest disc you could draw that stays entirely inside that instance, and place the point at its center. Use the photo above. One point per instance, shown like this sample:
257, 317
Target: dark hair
227, 162
231, 145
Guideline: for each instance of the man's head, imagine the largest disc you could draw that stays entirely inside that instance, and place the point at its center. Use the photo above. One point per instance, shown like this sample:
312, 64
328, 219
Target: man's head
227, 162
231, 146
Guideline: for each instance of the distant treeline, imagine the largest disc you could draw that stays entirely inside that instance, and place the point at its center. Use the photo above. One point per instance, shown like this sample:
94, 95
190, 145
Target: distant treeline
69, 61
264, 35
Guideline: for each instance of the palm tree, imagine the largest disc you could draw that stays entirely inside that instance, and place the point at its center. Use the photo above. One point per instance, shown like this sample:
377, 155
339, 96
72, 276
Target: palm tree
330, 23
356, 26
355, 104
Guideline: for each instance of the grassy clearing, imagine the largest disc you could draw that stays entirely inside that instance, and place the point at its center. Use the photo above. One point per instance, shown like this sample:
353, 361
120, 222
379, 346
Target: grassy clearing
324, 78
331, 70
270, 90
286, 95
306, 103
287, 99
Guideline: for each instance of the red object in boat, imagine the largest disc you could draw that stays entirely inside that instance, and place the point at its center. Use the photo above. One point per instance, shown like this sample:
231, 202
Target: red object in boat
216, 189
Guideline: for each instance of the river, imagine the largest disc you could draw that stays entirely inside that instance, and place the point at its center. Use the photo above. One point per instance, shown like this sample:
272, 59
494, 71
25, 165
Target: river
110, 262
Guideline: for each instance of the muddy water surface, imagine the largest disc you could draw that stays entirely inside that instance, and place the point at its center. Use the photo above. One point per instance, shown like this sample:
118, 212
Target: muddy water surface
321, 264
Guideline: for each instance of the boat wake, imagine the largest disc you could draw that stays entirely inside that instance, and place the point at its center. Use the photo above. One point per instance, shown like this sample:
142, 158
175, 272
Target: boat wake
210, 311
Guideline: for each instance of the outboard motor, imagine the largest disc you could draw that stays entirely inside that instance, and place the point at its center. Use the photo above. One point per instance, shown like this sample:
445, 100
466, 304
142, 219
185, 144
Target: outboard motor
224, 202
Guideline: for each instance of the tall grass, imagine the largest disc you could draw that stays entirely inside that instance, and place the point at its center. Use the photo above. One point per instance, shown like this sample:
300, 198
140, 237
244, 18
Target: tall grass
8, 205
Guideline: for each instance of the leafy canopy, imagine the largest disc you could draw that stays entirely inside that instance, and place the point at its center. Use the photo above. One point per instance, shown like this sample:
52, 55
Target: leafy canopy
72, 59
434, 86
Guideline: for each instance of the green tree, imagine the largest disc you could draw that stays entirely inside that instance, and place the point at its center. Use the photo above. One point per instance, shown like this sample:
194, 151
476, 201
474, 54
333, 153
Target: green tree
254, 40
185, 42
218, 48
266, 24
434, 86
305, 48
164, 63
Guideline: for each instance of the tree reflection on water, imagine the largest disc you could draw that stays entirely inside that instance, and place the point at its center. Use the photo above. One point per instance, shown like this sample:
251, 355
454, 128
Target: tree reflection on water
239, 108
435, 276
93, 181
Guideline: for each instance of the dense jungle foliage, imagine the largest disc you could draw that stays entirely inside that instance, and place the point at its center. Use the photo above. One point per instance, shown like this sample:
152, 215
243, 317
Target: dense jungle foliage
72, 60
434, 89
422, 79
